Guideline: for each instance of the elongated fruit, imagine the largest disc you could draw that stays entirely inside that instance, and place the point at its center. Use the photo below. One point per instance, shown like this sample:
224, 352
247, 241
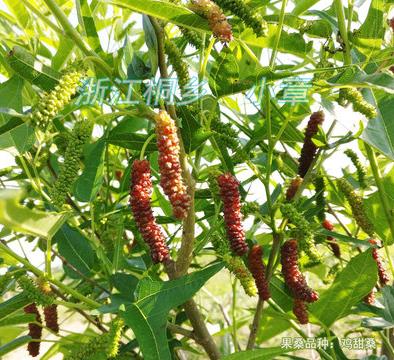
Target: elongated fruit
257, 268
35, 330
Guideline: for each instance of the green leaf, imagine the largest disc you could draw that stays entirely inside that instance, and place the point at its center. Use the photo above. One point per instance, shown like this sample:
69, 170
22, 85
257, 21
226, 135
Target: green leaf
11, 97
147, 317
89, 183
27, 221
266, 354
349, 287
14, 344
13, 304
379, 132
20, 12
303, 5
30, 69
76, 249
17, 319
374, 209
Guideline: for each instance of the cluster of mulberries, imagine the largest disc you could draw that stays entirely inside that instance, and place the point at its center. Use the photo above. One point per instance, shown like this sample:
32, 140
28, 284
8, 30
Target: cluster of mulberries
383, 277
35, 330
192, 37
235, 265
218, 23
320, 199
293, 277
113, 338
308, 150
229, 194
53, 102
112, 230
257, 268
331, 240
361, 173
357, 206
295, 281
34, 293
245, 13
370, 298
50, 310
179, 66
293, 188
140, 196
355, 97
169, 165
302, 231
225, 134
69, 169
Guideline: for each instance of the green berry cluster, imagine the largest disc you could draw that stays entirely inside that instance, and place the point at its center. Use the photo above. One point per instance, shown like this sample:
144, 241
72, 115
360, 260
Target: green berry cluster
245, 13
33, 292
112, 230
54, 101
357, 206
225, 134
250, 208
69, 169
178, 64
235, 265
113, 338
301, 231
361, 173
355, 97
192, 37
320, 199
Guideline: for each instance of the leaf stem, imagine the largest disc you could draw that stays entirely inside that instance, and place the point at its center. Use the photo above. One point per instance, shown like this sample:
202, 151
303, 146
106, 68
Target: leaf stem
343, 31
278, 34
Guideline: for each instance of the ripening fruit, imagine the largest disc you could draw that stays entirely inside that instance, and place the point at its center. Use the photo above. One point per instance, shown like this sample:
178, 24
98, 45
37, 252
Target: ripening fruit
308, 151
53, 102
218, 23
35, 330
245, 13
69, 169
370, 298
361, 173
293, 188
33, 292
225, 134
359, 103
330, 240
192, 37
178, 64
51, 320
113, 338
320, 198
229, 194
300, 310
257, 268
357, 206
294, 279
170, 168
383, 277
140, 197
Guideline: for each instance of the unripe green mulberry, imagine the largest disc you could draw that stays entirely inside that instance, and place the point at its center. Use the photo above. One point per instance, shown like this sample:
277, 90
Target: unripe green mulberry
359, 103
69, 169
225, 134
357, 206
112, 230
235, 265
192, 37
33, 292
320, 199
361, 173
113, 338
245, 13
301, 231
53, 102
178, 64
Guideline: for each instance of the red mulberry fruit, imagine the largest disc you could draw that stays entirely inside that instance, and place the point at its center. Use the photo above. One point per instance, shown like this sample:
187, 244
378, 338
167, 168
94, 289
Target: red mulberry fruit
218, 23
308, 151
257, 268
229, 193
35, 330
170, 167
293, 188
140, 191
292, 274
300, 310
50, 315
331, 241
383, 277
370, 298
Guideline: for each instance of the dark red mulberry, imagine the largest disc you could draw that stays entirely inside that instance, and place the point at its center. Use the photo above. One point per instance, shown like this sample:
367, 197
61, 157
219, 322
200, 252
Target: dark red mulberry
140, 196
50, 315
257, 268
293, 277
229, 193
35, 330
331, 240
383, 277
169, 165
293, 188
308, 151
300, 310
